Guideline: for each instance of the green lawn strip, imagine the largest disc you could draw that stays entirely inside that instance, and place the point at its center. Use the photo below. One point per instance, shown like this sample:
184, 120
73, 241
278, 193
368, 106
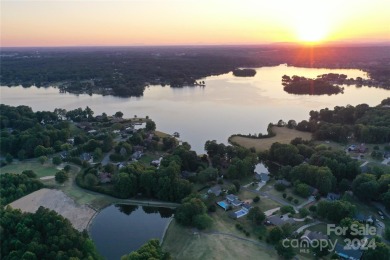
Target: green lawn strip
289, 193
46, 169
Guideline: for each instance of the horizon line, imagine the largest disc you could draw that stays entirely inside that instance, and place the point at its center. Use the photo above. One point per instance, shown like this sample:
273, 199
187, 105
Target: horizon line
314, 44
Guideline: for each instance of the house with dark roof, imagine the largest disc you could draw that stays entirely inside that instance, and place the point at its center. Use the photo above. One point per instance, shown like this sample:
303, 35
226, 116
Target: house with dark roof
86, 157
283, 182
263, 177
360, 217
232, 199
311, 236
350, 254
216, 190
333, 196
137, 155
278, 220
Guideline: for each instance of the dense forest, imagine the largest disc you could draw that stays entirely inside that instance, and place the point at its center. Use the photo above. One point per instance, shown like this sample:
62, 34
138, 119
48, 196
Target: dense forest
15, 186
125, 71
42, 235
362, 123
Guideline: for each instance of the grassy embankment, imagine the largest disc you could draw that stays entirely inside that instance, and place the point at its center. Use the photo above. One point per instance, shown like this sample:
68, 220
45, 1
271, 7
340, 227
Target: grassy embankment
283, 135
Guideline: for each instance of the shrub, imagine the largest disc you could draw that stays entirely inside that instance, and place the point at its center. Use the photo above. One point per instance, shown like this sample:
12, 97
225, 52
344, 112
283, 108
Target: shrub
256, 199
279, 187
284, 195
303, 212
289, 198
61, 177
29, 173
287, 209
313, 208
296, 201
56, 160
212, 208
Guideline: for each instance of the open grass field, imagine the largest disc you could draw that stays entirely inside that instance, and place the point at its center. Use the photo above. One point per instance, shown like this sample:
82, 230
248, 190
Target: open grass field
161, 134
80, 195
284, 135
46, 169
182, 243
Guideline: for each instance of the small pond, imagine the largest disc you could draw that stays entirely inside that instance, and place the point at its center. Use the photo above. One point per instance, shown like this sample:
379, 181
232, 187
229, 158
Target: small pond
120, 229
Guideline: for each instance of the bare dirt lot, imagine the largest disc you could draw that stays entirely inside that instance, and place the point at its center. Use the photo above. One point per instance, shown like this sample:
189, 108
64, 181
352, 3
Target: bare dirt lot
58, 201
284, 135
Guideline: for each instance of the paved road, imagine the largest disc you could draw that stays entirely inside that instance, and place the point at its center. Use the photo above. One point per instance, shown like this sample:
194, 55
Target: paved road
306, 226
265, 194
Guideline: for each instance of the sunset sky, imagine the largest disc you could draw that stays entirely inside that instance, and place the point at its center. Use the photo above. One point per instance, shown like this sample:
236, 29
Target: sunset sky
179, 22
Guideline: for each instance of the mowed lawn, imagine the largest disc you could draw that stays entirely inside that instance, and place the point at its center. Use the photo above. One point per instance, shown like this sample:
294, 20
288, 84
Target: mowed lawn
46, 169
284, 135
183, 243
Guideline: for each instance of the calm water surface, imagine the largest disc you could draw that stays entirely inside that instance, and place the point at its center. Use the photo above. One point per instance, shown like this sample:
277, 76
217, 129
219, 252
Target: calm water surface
227, 105
120, 229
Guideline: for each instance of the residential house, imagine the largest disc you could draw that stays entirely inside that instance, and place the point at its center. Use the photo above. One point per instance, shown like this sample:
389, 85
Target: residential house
232, 199
86, 157
246, 207
216, 190
313, 191
360, 217
123, 151
311, 236
284, 182
137, 155
350, 253
64, 154
104, 177
121, 165
333, 196
278, 220
263, 177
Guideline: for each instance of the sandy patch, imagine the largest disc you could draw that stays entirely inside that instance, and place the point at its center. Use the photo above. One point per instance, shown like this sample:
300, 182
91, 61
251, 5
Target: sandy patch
58, 201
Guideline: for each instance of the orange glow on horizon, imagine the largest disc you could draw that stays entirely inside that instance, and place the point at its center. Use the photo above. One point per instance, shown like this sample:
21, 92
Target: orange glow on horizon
191, 22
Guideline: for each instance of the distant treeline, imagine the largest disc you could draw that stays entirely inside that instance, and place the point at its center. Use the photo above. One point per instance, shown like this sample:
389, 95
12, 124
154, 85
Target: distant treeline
125, 71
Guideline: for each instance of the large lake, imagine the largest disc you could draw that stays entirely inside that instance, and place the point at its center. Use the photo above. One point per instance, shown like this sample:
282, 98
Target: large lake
120, 229
227, 105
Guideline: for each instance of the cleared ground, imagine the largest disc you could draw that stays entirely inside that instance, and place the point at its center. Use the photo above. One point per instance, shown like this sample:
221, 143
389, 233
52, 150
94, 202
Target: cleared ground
78, 215
284, 135
183, 243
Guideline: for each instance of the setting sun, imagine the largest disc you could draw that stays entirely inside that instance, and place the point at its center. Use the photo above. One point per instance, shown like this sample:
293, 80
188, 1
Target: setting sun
312, 26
